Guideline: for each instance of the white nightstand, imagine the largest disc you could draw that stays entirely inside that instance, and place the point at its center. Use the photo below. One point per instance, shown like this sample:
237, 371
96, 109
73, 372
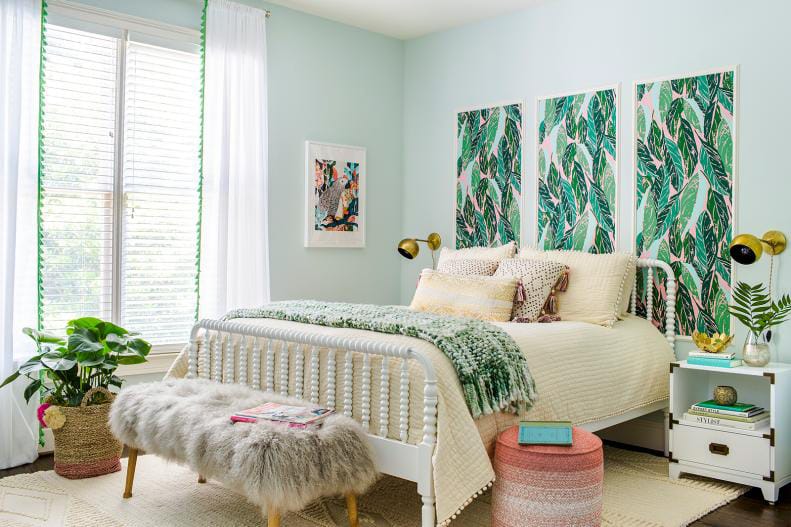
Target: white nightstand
760, 458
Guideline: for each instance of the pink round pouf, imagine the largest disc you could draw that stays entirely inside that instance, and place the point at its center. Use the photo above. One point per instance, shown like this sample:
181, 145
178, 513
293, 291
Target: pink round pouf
543, 486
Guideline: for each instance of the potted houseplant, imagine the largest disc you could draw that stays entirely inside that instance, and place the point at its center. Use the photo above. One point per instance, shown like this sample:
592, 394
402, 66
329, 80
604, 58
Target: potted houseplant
74, 374
754, 308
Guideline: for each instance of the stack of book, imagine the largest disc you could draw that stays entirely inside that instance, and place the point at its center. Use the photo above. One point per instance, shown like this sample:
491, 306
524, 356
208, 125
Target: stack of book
718, 360
740, 415
545, 433
300, 417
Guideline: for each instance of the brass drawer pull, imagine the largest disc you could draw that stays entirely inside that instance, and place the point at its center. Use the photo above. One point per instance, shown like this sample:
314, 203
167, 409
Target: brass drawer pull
719, 449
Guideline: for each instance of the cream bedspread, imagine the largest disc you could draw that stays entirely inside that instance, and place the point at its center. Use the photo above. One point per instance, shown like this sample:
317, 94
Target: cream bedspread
583, 373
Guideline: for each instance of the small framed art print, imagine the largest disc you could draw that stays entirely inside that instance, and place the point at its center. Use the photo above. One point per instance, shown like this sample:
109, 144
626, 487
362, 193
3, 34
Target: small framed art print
335, 195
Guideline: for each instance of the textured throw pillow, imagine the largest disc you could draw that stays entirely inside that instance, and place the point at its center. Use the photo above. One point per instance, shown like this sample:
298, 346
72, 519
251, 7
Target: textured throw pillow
599, 284
468, 267
537, 277
481, 297
478, 253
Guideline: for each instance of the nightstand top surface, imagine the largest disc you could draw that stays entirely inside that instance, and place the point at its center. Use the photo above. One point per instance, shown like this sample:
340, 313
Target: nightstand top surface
772, 367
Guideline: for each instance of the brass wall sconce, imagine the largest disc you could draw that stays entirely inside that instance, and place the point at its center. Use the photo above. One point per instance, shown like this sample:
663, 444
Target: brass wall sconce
409, 248
747, 249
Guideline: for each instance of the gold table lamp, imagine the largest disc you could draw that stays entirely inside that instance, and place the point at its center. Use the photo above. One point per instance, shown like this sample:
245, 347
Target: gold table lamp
409, 248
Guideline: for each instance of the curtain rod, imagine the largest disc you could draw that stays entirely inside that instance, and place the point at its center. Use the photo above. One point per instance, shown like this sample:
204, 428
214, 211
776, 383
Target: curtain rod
267, 12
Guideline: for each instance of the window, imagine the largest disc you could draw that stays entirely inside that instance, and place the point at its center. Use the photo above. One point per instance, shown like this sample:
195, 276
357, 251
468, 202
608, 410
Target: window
120, 178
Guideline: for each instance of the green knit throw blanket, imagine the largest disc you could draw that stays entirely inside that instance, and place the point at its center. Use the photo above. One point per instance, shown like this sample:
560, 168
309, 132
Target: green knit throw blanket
492, 370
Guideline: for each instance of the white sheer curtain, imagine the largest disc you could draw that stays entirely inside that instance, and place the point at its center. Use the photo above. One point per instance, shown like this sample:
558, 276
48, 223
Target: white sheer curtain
20, 26
234, 262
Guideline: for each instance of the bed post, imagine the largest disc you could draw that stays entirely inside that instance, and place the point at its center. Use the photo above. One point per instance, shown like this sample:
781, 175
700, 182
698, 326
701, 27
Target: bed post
192, 357
425, 484
670, 293
670, 301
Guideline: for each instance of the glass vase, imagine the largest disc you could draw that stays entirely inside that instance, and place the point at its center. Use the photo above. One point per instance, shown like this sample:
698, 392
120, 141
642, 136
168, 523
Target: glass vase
756, 350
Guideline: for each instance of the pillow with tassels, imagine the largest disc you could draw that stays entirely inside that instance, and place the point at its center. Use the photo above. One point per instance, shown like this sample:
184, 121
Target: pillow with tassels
539, 280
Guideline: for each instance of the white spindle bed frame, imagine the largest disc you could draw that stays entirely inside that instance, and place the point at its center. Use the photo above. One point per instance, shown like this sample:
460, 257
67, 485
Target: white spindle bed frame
394, 457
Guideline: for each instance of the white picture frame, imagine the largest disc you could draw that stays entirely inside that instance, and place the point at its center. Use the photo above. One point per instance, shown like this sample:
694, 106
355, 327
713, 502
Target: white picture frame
344, 163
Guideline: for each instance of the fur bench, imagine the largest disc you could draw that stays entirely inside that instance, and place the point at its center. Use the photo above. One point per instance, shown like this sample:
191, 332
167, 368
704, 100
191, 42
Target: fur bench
278, 468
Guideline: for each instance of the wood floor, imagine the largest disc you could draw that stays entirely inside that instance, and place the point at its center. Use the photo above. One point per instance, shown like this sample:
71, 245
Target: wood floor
749, 510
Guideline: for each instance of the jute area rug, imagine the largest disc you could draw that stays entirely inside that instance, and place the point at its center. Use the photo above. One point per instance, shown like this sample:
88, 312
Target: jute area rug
637, 492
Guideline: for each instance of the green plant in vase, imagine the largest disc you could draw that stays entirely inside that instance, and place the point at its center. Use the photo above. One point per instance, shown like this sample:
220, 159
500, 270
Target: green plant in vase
754, 307
75, 373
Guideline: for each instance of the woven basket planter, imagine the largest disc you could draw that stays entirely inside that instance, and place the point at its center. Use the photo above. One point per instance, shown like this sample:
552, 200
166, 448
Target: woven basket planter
84, 445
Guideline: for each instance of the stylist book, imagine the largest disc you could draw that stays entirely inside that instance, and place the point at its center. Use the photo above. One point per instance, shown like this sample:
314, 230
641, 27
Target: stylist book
301, 417
556, 433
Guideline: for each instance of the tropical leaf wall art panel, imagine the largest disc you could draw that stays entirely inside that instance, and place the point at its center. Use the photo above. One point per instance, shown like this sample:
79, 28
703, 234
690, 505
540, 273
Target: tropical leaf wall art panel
684, 139
577, 169
488, 176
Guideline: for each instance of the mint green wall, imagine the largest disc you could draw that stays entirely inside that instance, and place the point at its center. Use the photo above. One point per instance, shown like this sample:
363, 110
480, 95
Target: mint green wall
564, 45
399, 100
334, 83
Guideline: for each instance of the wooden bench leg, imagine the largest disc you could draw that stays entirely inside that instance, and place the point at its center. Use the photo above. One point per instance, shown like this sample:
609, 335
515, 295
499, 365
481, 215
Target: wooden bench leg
130, 472
351, 509
273, 518
201, 478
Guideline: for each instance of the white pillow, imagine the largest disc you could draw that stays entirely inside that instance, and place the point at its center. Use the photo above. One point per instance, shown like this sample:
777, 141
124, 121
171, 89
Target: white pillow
599, 284
478, 253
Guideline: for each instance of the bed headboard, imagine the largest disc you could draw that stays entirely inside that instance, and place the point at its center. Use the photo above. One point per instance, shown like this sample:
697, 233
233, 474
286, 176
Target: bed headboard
650, 265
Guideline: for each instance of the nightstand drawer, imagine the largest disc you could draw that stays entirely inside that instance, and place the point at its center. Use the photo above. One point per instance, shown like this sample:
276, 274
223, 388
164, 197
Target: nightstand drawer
734, 451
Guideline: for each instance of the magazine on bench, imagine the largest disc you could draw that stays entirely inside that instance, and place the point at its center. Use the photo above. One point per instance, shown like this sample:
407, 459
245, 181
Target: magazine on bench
301, 417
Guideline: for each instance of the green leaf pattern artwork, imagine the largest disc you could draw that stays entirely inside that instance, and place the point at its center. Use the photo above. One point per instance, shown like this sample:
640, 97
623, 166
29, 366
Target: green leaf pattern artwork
684, 136
488, 176
577, 170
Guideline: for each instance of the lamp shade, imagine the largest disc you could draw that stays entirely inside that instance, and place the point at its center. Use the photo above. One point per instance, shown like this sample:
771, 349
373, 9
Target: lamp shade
408, 248
746, 249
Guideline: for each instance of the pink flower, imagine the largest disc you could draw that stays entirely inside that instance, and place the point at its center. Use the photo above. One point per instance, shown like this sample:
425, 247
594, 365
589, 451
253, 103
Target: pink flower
40, 413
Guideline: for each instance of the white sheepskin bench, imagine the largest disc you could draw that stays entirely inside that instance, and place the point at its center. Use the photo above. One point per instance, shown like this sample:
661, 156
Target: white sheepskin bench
278, 468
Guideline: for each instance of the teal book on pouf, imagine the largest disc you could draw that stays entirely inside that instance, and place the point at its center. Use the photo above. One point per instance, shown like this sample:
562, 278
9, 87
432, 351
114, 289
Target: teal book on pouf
545, 433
